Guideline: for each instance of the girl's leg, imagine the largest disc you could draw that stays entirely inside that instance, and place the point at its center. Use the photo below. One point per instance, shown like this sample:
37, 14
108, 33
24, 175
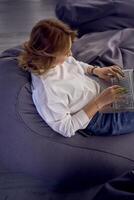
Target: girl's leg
111, 124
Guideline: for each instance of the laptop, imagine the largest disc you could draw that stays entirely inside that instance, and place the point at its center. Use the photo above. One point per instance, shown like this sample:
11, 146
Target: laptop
127, 102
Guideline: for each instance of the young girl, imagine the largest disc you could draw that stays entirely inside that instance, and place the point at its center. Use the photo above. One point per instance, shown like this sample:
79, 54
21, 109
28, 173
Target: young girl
63, 93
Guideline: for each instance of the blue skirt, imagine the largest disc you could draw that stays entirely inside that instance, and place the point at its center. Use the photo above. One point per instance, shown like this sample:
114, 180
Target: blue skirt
111, 124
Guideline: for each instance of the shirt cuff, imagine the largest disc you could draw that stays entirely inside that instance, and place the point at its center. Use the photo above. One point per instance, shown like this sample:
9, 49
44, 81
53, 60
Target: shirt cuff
85, 66
82, 118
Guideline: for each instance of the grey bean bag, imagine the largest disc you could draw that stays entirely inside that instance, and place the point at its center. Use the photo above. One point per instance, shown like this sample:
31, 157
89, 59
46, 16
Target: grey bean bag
96, 15
28, 146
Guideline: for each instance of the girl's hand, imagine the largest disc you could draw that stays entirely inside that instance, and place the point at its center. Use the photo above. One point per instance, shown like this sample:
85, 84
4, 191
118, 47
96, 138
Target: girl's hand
107, 72
110, 95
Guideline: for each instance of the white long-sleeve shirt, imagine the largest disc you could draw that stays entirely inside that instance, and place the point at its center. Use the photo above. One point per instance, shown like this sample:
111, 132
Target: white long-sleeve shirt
61, 93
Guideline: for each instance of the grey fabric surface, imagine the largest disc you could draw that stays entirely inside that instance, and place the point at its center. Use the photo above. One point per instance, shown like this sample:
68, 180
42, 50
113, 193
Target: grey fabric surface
30, 147
106, 48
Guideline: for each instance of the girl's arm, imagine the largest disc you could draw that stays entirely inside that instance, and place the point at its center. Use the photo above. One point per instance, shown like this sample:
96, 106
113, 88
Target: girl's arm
88, 69
93, 70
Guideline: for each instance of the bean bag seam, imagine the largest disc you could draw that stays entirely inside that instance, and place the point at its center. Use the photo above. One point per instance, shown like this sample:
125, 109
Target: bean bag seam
54, 140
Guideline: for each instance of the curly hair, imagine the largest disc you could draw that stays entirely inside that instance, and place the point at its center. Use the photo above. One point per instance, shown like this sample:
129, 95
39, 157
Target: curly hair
48, 37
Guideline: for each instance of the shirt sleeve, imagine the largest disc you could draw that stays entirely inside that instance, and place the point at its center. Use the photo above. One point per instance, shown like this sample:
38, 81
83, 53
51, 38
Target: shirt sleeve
84, 65
54, 110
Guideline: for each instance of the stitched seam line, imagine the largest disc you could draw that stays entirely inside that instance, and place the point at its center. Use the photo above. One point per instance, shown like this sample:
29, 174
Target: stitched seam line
54, 140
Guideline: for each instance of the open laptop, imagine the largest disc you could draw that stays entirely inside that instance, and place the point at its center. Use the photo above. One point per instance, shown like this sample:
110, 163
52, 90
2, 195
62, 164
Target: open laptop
127, 103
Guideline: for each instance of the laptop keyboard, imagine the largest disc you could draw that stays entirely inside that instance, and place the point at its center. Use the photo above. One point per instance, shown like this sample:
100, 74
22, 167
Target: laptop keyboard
128, 99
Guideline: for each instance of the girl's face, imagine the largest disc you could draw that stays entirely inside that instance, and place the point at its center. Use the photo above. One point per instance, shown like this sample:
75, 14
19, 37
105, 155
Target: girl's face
61, 57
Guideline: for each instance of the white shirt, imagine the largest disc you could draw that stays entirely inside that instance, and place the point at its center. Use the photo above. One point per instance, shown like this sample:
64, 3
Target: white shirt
61, 93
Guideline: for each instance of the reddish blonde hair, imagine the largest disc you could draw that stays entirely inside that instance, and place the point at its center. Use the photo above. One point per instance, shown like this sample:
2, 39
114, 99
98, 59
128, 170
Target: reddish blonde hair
48, 37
